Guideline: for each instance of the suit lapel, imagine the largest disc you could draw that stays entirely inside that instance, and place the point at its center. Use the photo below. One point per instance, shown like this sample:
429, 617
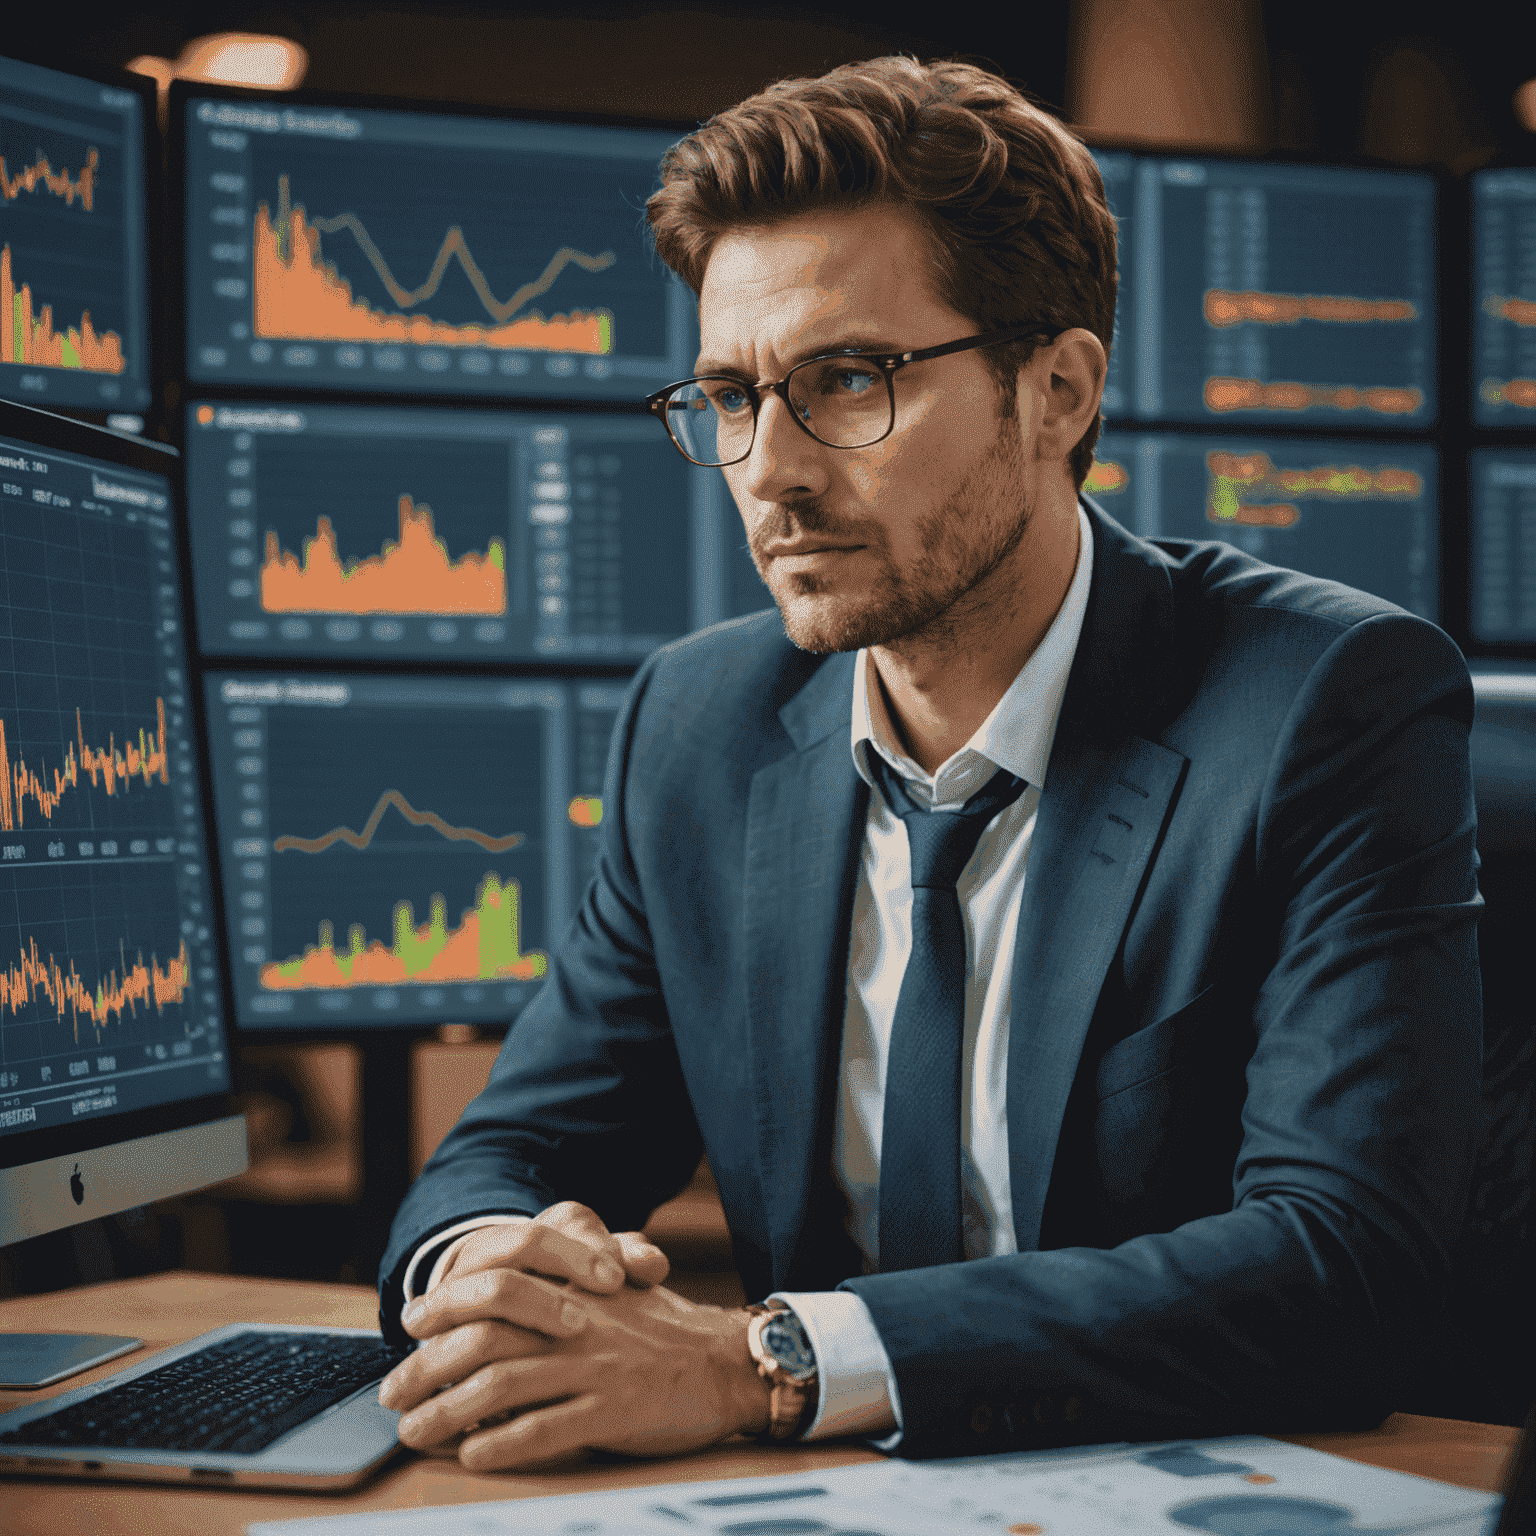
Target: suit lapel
805, 818
1108, 795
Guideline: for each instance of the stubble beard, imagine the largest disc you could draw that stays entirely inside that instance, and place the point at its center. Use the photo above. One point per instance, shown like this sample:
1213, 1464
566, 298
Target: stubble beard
963, 541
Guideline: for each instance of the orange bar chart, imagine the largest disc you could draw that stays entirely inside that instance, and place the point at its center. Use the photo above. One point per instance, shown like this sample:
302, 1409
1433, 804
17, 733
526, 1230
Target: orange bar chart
27, 333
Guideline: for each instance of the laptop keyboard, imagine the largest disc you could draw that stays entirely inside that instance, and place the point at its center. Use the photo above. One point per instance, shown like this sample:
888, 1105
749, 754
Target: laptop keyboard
237, 1396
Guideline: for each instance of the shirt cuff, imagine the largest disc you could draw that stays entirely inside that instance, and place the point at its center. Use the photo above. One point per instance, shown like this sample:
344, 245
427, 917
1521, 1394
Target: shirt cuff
442, 1256
858, 1386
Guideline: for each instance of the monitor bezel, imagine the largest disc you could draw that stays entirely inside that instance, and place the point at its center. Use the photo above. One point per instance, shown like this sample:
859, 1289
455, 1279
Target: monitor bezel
178, 384
66, 434
153, 233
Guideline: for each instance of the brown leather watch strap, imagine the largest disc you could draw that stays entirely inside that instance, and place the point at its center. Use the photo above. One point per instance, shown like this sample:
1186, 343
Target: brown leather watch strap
791, 1404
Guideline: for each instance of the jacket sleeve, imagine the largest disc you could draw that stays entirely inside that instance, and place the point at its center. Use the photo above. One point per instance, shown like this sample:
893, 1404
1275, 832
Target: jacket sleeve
586, 1100
1303, 1304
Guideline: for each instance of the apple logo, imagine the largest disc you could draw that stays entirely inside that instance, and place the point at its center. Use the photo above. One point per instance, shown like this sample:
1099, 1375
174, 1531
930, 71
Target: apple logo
77, 1186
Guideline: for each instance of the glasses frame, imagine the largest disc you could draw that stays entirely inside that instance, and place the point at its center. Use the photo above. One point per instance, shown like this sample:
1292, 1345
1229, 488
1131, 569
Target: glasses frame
889, 364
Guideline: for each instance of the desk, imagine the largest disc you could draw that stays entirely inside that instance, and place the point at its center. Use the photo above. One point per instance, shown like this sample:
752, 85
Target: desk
165, 1309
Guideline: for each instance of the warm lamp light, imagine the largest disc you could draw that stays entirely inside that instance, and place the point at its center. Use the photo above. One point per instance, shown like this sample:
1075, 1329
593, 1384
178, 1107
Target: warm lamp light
230, 58
1525, 106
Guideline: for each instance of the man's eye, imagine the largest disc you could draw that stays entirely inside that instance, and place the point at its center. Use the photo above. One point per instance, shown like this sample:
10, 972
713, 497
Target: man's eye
853, 381
729, 400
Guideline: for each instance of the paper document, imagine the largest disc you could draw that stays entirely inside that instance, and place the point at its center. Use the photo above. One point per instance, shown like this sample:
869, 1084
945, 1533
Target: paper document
1242, 1485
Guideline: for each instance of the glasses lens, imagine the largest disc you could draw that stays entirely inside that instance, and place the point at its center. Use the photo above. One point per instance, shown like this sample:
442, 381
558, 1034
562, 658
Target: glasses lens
712, 420
844, 401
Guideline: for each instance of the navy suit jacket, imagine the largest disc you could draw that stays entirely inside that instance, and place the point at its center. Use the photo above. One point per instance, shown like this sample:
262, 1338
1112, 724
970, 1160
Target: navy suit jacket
1245, 1038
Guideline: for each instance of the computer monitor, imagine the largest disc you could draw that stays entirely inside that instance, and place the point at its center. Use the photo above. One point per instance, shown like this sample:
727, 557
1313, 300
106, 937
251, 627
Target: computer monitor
1504, 297
114, 1066
338, 246
432, 533
400, 850
74, 297
1286, 295
1363, 513
1503, 563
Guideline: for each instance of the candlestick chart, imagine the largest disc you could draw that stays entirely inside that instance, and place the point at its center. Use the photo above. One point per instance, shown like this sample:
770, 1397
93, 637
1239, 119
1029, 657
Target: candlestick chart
403, 849
72, 300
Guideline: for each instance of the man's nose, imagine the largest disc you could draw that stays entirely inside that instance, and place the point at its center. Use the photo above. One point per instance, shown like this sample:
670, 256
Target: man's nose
786, 461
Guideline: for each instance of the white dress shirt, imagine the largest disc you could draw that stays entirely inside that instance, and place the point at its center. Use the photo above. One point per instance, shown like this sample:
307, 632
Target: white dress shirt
858, 1387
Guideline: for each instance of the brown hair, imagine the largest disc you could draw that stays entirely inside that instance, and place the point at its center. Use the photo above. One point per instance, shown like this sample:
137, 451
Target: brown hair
1013, 203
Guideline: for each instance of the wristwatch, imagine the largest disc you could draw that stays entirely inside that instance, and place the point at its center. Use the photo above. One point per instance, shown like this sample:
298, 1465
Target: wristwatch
786, 1361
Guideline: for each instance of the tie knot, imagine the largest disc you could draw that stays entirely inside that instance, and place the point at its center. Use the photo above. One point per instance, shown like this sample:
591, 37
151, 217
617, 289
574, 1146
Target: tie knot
942, 842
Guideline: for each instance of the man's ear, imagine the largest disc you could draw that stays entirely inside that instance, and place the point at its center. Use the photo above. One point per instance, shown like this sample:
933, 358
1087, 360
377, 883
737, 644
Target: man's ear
1069, 375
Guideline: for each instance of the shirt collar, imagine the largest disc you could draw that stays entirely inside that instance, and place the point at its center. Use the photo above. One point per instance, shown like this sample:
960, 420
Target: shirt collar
1019, 732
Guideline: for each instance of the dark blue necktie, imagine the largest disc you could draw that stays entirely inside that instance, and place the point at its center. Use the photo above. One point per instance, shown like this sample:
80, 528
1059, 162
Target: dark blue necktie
920, 1133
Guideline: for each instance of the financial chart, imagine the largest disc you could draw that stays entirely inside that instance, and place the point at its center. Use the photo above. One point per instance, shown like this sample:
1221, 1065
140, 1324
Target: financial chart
592, 720
1363, 513
1503, 606
395, 849
1284, 295
109, 996
1504, 298
370, 250
73, 297
335, 531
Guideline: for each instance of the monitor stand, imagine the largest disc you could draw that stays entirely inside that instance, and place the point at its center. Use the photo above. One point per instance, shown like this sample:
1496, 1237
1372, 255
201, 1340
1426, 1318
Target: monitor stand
31, 1360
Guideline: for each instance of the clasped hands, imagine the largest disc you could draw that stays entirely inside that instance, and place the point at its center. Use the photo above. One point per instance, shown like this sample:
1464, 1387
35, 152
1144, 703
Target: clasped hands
553, 1335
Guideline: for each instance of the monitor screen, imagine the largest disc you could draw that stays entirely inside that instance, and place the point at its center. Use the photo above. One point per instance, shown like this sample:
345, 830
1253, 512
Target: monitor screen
1504, 298
109, 988
1284, 294
401, 850
1503, 597
74, 300
424, 253
378, 531
1118, 171
1363, 513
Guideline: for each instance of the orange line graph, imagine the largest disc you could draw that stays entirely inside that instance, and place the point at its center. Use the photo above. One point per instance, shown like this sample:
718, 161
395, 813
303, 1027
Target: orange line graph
1234, 476
21, 984
1520, 312
105, 766
393, 797
1223, 307
1223, 394
486, 946
300, 295
33, 340
414, 575
41, 174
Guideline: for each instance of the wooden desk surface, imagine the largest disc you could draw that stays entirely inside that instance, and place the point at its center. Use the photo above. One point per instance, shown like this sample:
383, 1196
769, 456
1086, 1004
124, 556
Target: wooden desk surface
165, 1309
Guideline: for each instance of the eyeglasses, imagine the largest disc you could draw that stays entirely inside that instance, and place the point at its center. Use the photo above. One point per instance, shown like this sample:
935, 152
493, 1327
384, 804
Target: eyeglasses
842, 400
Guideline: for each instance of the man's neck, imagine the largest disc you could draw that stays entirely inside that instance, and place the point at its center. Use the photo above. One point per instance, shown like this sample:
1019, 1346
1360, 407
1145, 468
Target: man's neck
938, 687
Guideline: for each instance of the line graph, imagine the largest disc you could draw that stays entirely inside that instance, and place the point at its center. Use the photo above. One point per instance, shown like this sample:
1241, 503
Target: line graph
105, 767
393, 797
1223, 394
125, 990
41, 174
300, 295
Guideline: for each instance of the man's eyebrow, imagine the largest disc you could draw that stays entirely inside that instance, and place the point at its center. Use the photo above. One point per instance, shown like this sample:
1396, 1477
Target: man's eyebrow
877, 346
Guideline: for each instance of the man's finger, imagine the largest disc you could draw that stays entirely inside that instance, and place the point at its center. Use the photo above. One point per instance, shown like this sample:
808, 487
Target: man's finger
507, 1295
500, 1388
544, 1435
454, 1356
545, 1249
644, 1263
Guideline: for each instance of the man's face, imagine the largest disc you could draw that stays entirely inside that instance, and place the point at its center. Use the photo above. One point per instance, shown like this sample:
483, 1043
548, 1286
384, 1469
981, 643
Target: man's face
863, 546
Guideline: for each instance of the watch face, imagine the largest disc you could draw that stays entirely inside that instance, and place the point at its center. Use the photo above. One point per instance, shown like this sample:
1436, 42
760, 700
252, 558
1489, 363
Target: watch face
784, 1338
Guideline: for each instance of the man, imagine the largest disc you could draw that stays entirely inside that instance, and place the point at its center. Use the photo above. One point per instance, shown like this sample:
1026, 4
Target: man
1150, 1109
